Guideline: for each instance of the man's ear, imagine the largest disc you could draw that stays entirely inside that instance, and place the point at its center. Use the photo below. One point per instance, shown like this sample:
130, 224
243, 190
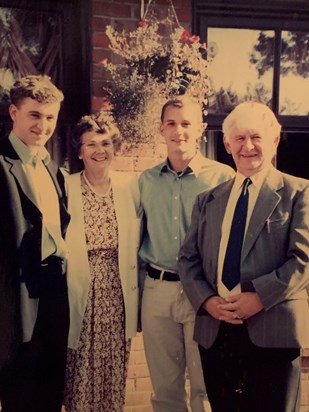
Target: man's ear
12, 111
277, 141
227, 145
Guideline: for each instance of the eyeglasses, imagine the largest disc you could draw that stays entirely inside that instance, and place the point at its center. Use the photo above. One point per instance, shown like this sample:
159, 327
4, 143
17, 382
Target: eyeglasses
105, 144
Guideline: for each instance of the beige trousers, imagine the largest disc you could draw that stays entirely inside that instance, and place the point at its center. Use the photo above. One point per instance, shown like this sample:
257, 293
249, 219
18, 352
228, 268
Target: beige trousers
168, 323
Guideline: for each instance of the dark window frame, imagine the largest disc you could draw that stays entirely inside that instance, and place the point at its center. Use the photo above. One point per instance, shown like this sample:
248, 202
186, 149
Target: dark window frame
274, 15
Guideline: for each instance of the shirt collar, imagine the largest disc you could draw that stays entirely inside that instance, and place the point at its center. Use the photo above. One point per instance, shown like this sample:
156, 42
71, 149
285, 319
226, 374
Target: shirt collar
24, 152
257, 179
194, 165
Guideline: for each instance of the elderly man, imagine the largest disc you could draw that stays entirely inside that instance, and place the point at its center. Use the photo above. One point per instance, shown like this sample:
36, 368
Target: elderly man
244, 267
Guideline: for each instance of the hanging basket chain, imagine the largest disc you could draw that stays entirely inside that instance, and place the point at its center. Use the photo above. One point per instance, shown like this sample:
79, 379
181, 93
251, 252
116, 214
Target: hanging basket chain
169, 4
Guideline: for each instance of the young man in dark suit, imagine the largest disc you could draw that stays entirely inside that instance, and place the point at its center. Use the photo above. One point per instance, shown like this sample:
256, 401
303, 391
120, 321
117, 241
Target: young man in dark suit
244, 266
34, 316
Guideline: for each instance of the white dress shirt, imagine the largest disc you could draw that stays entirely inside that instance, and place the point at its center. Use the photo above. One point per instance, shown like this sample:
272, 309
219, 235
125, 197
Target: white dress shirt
254, 189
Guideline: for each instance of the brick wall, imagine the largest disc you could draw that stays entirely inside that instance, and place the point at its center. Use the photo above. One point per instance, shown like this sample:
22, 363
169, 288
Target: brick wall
124, 14
138, 390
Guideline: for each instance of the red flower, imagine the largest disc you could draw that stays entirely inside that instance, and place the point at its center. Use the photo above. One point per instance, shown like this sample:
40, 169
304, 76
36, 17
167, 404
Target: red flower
194, 39
185, 36
142, 24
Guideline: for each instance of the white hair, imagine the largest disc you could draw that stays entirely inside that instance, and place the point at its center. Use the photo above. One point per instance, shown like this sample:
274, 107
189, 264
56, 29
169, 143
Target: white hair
248, 115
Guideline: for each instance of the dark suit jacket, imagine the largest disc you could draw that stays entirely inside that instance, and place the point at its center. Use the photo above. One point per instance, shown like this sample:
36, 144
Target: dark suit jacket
20, 240
274, 262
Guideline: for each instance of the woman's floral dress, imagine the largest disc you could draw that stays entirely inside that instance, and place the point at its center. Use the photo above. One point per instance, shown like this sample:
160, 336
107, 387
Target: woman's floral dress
96, 371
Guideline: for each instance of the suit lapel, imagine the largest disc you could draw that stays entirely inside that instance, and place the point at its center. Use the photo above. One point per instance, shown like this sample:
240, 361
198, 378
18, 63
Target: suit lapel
19, 173
216, 211
58, 180
266, 203
218, 206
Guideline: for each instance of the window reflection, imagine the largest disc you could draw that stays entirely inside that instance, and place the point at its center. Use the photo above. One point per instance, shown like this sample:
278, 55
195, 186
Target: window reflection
294, 73
240, 67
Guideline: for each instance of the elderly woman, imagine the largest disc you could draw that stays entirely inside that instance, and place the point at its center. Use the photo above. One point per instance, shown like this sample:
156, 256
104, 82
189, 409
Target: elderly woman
103, 240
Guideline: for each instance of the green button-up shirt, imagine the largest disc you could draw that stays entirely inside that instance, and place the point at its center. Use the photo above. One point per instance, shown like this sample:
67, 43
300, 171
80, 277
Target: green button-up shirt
167, 198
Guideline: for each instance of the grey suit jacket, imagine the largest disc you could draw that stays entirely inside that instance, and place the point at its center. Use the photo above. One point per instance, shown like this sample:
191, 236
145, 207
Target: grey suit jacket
274, 262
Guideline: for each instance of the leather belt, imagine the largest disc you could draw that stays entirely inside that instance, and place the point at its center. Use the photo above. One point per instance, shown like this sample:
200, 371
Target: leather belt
166, 275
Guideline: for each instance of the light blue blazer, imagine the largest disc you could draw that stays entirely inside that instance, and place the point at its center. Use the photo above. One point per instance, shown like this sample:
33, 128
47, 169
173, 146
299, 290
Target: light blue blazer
126, 198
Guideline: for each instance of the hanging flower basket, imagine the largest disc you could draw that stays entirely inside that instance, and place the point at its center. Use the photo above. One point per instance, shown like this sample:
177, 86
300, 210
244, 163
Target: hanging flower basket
152, 67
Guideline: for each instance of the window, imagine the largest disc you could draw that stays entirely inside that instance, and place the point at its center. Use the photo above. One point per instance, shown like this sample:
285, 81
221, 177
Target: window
258, 52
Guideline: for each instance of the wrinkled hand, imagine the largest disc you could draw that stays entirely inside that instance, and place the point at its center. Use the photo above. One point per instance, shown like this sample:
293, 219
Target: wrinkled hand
215, 307
241, 306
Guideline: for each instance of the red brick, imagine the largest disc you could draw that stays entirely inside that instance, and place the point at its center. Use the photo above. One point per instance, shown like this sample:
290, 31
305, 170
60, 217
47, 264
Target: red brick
111, 9
184, 15
183, 3
98, 87
136, 12
99, 23
98, 55
127, 1
100, 39
162, 2
126, 25
97, 103
305, 362
99, 72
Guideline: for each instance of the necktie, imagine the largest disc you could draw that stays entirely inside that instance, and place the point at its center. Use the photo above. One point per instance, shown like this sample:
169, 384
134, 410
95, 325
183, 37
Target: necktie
231, 266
